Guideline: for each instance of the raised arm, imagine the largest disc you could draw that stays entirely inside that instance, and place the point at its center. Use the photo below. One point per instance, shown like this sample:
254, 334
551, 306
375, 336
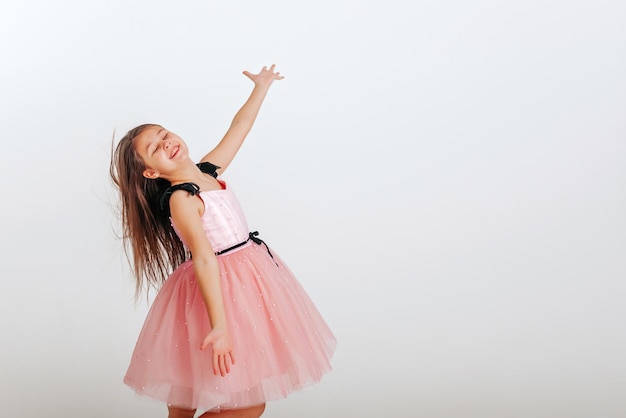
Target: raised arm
227, 148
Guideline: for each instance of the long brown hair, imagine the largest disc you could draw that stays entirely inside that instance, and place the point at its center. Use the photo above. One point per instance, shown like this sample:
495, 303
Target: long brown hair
146, 229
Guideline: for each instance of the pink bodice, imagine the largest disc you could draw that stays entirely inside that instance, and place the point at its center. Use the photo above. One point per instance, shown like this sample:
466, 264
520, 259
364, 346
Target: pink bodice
223, 220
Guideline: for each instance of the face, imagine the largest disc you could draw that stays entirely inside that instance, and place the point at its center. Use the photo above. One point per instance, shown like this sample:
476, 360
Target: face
162, 151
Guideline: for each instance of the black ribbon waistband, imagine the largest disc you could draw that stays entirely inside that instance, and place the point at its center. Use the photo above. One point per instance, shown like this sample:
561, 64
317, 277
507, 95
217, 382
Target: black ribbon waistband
252, 236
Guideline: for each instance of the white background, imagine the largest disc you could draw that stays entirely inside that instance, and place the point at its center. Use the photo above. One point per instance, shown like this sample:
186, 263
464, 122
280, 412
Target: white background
446, 178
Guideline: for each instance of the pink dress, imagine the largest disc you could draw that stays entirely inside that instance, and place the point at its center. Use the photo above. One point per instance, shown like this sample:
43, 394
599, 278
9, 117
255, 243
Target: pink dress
281, 342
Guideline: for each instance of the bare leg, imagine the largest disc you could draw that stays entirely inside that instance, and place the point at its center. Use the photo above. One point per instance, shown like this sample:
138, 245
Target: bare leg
175, 412
252, 412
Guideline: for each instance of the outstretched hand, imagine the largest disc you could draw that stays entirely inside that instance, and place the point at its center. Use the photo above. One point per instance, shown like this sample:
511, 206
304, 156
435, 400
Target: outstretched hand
223, 357
265, 78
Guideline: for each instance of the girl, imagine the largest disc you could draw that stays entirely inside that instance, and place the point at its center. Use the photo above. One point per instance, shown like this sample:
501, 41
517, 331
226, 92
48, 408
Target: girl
230, 328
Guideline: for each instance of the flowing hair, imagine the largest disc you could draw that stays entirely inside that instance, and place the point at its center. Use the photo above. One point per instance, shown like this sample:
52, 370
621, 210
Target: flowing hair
150, 243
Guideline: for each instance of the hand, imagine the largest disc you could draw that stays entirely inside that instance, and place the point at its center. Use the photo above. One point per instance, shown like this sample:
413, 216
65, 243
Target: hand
265, 77
222, 345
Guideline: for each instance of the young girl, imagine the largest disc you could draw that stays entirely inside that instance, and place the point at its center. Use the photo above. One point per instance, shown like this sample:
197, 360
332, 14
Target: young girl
230, 328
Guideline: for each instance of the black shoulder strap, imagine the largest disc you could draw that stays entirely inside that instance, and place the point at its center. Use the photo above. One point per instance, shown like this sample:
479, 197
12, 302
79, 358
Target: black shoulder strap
192, 188
208, 168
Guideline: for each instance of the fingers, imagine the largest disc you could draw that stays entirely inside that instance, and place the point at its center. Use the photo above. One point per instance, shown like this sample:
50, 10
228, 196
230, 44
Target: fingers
222, 363
225, 364
276, 74
221, 351
216, 364
264, 73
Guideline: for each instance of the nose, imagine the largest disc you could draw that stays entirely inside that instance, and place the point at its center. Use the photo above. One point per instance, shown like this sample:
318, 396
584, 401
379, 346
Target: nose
166, 145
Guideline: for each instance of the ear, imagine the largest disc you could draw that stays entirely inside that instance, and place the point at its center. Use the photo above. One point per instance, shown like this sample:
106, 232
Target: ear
150, 173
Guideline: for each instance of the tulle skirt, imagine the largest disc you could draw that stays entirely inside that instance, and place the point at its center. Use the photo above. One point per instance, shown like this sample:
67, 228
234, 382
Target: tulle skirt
281, 342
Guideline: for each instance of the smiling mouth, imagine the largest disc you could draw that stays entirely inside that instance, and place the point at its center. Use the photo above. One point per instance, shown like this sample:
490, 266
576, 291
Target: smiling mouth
174, 152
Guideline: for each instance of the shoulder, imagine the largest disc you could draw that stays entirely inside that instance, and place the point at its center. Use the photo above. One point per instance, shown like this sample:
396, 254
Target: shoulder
183, 204
174, 195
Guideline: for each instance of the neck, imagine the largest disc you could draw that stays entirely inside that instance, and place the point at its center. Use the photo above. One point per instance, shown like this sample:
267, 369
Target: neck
187, 173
